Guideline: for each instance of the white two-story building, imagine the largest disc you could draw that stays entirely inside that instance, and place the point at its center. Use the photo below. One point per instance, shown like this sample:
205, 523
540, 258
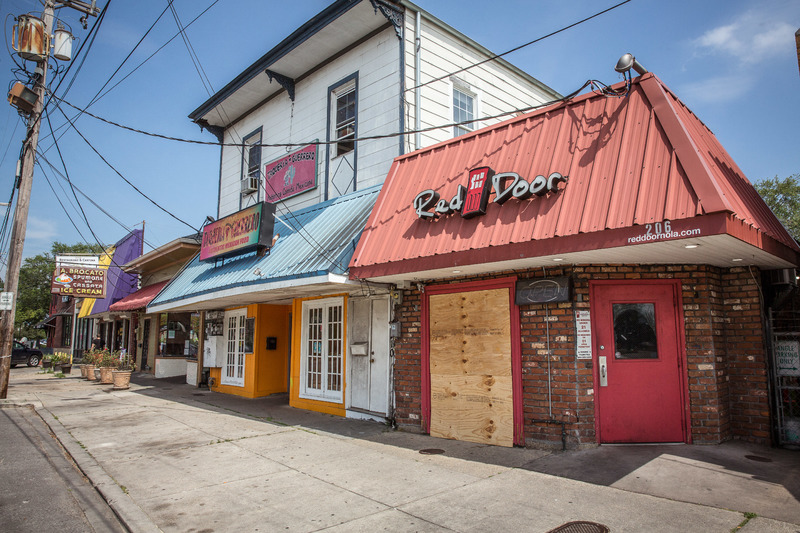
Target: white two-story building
309, 132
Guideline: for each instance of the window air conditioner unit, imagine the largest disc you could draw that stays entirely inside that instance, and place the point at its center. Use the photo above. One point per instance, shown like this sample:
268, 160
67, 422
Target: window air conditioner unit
249, 184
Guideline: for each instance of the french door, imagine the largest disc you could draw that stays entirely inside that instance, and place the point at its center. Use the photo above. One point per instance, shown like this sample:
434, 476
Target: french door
322, 354
233, 371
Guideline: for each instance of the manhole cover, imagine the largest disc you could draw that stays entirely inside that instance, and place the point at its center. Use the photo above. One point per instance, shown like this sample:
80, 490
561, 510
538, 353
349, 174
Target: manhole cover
580, 527
431, 451
758, 458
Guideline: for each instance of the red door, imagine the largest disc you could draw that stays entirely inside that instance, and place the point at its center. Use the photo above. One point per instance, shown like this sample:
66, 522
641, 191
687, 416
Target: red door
638, 362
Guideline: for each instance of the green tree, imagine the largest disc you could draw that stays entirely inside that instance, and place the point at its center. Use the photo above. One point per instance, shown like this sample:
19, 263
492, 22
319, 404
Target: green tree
783, 197
33, 298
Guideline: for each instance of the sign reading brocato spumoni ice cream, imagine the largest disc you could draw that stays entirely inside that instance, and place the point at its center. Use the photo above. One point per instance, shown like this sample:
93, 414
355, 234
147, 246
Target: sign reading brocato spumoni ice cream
81, 282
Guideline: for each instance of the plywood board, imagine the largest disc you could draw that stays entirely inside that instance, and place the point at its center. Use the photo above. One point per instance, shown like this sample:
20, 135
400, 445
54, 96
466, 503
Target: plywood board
470, 364
473, 408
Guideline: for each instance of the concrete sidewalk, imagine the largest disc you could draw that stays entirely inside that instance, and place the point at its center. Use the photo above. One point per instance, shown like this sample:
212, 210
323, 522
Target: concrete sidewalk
170, 457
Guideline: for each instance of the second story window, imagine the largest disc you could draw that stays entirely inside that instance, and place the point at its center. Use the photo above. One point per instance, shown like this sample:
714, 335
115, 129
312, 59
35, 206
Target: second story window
463, 111
345, 120
251, 163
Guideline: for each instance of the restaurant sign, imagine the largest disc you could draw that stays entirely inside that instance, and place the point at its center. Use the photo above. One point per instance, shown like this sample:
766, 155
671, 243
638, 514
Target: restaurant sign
291, 174
472, 200
80, 282
243, 231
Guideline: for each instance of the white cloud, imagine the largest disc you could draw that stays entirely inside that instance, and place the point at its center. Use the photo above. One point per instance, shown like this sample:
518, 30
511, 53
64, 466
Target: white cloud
754, 36
39, 229
718, 90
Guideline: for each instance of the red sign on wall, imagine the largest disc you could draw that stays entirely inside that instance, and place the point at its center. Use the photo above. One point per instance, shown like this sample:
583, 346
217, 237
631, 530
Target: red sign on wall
291, 175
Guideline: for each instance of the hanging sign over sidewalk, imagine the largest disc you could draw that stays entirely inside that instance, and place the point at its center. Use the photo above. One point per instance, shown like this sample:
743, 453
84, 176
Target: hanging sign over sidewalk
81, 282
243, 231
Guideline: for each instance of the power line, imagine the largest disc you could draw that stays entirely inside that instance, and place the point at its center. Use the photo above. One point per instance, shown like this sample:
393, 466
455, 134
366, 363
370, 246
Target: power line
154, 53
96, 96
323, 143
498, 56
89, 198
118, 173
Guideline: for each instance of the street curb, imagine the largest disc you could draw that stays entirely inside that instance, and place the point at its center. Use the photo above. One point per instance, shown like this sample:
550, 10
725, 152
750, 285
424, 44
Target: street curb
132, 516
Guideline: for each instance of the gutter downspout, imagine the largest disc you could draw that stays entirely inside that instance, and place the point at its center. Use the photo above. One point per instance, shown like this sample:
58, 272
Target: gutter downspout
417, 81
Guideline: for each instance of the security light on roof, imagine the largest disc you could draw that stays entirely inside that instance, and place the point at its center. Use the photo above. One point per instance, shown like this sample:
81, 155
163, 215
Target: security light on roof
627, 62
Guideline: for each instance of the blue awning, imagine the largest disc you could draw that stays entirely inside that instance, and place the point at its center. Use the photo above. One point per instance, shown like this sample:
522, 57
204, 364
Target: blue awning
310, 258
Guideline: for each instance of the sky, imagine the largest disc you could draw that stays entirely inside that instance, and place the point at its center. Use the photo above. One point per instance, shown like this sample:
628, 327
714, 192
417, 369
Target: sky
732, 62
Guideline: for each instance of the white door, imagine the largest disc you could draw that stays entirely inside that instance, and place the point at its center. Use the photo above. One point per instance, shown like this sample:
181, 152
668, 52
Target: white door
233, 370
368, 340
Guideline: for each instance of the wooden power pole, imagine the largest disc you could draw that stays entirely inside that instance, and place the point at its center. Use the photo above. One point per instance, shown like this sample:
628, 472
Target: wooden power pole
25, 184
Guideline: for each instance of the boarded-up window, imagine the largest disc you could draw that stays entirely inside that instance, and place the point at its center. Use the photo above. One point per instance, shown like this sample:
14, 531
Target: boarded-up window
470, 365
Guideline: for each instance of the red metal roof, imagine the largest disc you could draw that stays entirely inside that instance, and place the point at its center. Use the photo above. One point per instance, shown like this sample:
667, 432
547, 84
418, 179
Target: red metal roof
139, 299
630, 161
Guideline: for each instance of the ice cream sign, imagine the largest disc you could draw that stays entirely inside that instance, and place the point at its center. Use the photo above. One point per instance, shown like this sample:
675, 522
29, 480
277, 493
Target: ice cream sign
81, 282
473, 199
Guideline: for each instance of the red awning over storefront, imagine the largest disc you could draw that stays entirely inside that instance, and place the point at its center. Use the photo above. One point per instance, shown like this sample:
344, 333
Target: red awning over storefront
140, 298
644, 177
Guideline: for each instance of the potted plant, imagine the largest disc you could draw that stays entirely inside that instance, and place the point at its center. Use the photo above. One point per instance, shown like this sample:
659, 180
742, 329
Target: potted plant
65, 362
108, 362
90, 359
47, 361
55, 361
122, 375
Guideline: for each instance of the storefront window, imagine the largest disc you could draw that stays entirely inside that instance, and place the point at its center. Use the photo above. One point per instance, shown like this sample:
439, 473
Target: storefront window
66, 331
178, 334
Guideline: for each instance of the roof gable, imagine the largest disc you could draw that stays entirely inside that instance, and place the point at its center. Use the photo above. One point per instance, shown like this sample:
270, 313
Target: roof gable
632, 161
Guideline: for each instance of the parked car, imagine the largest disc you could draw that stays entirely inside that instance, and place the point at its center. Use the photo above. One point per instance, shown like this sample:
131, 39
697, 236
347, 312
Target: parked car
22, 354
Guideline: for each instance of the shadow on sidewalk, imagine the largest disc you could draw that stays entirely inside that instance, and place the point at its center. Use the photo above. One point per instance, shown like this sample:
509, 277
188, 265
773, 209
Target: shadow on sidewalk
633, 467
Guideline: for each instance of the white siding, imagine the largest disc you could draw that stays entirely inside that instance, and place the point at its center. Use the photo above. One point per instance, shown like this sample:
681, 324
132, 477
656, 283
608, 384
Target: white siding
377, 64
498, 88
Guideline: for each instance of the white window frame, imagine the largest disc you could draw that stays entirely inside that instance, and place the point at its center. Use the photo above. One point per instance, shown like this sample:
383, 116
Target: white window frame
465, 89
233, 367
248, 172
338, 92
330, 340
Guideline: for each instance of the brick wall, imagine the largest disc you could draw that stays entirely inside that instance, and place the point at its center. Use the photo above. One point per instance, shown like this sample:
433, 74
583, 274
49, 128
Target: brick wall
749, 404
725, 355
407, 355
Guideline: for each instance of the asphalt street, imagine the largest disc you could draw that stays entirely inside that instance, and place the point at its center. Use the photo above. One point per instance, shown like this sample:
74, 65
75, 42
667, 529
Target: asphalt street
41, 489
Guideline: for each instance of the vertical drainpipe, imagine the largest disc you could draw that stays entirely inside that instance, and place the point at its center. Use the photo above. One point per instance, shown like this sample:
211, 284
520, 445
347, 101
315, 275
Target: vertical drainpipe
417, 80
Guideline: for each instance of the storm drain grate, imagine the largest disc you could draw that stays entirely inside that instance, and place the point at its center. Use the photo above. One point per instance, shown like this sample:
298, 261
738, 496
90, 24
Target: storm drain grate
580, 527
758, 458
431, 451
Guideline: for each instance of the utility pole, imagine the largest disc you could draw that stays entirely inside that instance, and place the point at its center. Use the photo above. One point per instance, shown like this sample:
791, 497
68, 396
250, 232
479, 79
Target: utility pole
24, 185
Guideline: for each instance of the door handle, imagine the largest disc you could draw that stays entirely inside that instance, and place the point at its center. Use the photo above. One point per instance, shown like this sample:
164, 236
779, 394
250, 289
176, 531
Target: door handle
603, 371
